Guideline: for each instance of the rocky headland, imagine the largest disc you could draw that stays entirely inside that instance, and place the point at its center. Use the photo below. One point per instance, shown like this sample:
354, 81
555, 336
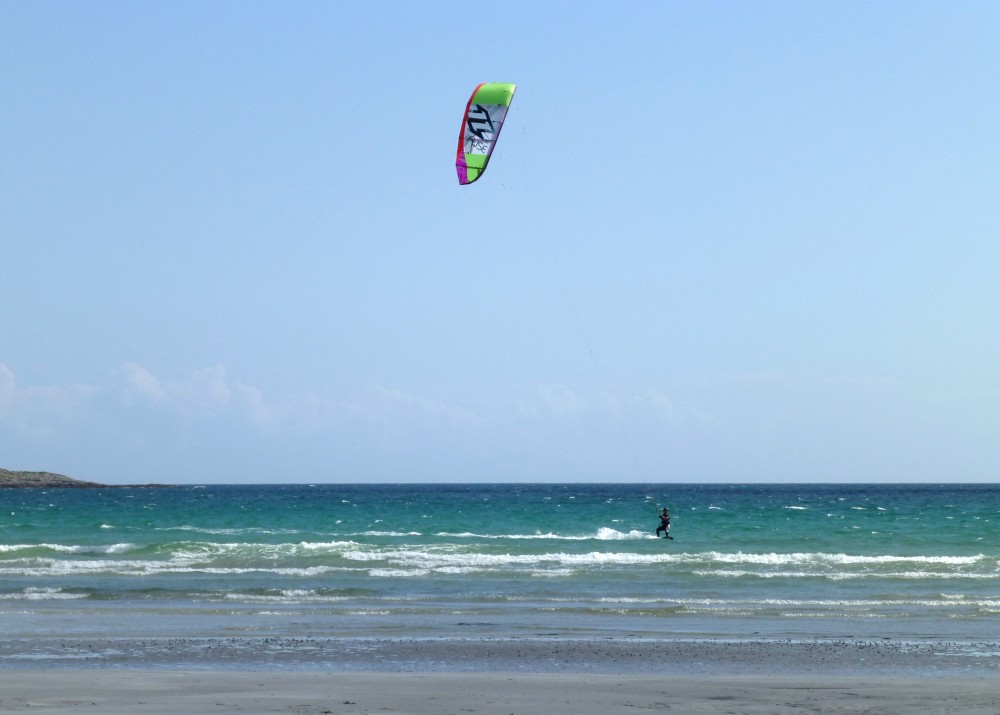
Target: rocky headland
47, 480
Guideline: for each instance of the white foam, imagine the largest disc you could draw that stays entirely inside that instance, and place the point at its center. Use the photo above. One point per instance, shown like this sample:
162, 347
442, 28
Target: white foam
44, 594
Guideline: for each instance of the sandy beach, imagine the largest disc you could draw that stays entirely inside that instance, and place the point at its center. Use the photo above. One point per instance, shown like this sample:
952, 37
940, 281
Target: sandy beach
495, 676
165, 693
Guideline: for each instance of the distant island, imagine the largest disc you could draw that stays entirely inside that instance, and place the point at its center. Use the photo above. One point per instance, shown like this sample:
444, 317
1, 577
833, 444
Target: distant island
48, 480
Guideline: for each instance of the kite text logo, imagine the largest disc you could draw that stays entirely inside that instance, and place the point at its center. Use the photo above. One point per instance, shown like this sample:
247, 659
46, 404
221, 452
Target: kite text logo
482, 118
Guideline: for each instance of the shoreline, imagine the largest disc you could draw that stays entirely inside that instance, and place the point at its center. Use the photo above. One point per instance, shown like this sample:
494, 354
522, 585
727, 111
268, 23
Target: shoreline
842, 657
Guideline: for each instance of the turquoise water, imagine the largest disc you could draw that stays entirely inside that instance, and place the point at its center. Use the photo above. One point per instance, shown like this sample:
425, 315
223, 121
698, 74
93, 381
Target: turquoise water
900, 561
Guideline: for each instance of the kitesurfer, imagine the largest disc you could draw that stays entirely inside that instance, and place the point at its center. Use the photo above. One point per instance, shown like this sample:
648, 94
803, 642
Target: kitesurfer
664, 524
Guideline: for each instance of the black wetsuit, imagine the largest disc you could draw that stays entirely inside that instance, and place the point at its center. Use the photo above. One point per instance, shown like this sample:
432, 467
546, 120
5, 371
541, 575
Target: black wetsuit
664, 527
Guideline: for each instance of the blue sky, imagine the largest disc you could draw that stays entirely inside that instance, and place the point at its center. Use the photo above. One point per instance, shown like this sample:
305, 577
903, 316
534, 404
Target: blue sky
718, 241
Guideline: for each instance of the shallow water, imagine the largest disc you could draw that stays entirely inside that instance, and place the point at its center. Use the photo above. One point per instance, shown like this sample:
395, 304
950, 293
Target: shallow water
898, 561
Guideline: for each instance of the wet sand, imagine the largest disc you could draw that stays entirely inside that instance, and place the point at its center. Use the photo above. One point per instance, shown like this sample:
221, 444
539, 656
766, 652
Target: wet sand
495, 676
169, 692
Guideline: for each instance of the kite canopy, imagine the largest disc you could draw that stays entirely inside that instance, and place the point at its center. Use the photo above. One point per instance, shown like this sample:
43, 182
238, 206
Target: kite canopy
484, 115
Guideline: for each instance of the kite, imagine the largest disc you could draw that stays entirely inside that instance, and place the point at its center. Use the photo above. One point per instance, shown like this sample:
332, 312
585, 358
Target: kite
484, 115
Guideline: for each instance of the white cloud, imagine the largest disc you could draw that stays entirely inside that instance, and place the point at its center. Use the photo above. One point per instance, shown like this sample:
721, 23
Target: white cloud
204, 393
38, 411
661, 405
561, 400
384, 404
140, 421
211, 393
260, 414
141, 384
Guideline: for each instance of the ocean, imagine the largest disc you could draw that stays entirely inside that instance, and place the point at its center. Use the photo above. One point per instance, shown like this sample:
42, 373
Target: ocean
903, 562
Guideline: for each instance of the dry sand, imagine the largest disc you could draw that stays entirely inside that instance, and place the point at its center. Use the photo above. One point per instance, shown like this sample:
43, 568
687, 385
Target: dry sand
44, 692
